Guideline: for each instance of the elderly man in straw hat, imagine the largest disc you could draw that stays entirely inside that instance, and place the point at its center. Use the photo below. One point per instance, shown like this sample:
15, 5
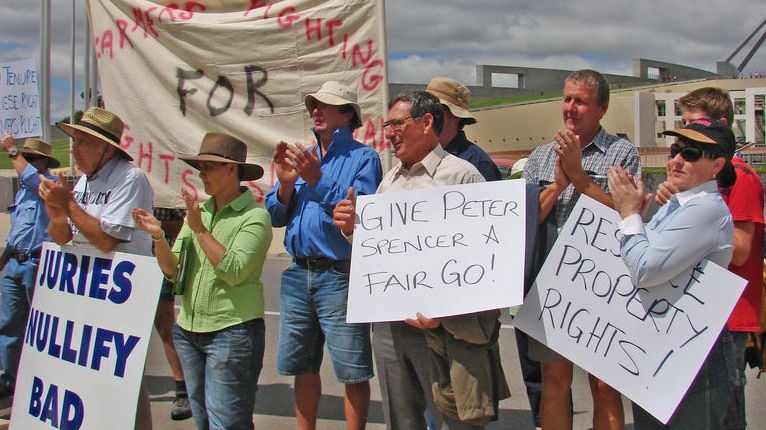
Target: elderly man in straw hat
29, 222
219, 333
455, 97
97, 212
315, 286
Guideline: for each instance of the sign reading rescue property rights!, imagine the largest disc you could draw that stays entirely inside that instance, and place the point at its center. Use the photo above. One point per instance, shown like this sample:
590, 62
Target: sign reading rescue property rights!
438, 251
648, 343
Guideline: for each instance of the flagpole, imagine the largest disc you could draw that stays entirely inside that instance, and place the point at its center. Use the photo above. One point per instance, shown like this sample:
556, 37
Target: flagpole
45, 69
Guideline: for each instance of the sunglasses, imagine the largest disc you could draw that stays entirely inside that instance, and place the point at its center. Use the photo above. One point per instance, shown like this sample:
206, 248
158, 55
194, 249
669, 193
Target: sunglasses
32, 158
689, 153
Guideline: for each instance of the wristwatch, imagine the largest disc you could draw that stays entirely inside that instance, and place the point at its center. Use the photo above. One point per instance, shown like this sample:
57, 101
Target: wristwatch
13, 152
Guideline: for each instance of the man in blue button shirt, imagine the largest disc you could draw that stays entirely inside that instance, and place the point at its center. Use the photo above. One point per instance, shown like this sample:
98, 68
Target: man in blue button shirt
315, 286
29, 229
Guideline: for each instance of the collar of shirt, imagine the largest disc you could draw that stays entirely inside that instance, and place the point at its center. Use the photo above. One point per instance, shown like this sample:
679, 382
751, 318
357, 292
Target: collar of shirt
430, 162
340, 137
236, 205
708, 187
600, 140
106, 168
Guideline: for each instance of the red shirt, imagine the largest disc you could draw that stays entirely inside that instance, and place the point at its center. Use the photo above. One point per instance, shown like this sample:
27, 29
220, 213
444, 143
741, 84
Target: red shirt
745, 200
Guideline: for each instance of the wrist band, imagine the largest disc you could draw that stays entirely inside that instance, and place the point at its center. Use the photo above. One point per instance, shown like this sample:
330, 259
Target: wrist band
162, 236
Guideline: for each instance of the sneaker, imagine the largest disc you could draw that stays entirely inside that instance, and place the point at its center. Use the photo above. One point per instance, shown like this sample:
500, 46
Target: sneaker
181, 409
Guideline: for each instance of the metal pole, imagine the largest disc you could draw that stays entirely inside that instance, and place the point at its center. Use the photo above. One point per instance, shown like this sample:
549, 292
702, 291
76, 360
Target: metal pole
71, 84
45, 70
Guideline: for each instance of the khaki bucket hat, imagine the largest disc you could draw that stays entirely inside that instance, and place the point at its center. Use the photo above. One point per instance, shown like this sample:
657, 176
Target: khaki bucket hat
453, 94
99, 123
34, 146
222, 148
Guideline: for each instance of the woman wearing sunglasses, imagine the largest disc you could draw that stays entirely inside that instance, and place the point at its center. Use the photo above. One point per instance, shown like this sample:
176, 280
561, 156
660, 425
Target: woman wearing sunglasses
695, 224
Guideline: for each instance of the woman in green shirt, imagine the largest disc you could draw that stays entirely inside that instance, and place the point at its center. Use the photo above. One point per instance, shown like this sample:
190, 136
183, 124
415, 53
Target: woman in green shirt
216, 262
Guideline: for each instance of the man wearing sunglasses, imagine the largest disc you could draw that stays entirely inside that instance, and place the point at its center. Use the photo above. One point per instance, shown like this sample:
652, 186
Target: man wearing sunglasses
575, 163
745, 200
29, 229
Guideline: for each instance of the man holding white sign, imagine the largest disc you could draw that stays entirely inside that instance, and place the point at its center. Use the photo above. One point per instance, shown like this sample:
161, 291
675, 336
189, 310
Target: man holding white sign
97, 212
574, 164
417, 359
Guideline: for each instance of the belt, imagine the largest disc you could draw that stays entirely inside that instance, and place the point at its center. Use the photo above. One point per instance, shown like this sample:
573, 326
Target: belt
321, 262
23, 258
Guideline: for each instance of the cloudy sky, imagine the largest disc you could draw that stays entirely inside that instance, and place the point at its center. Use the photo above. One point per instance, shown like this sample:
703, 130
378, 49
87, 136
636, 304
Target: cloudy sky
449, 37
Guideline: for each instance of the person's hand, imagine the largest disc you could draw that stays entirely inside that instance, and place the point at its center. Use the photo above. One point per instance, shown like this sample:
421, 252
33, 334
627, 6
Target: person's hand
567, 147
193, 215
559, 177
283, 165
627, 193
665, 191
344, 213
56, 194
305, 162
7, 142
147, 222
423, 322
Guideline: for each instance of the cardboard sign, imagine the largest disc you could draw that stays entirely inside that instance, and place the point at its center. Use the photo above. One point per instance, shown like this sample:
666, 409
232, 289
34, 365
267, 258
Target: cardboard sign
19, 99
86, 340
646, 343
438, 251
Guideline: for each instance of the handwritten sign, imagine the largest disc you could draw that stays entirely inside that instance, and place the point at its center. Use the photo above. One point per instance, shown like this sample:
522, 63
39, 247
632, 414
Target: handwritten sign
176, 70
19, 99
646, 343
86, 340
439, 251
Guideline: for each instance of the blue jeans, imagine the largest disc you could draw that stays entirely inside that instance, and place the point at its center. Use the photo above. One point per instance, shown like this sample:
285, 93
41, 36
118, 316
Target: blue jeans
313, 310
705, 403
221, 370
16, 293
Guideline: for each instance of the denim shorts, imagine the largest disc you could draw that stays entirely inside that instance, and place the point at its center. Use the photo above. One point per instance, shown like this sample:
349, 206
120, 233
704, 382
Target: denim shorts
313, 311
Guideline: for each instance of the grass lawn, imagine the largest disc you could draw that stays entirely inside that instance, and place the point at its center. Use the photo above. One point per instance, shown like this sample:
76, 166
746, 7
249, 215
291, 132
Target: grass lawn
60, 151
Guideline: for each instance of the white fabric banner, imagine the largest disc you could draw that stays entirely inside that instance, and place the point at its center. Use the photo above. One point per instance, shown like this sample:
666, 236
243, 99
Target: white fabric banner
86, 340
19, 99
646, 343
176, 70
438, 251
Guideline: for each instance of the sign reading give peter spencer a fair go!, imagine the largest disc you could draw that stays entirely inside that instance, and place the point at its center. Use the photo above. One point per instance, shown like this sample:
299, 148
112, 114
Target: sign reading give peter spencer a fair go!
438, 251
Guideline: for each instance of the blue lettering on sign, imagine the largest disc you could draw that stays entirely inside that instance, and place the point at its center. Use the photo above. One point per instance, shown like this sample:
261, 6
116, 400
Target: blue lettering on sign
68, 415
86, 276
94, 343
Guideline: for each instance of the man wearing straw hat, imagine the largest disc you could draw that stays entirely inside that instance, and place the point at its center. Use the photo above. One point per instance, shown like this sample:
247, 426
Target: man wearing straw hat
29, 222
314, 287
97, 212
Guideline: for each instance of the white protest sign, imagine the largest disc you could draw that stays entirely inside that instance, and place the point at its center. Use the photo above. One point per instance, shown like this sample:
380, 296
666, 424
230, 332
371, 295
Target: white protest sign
19, 99
646, 343
86, 340
175, 70
438, 251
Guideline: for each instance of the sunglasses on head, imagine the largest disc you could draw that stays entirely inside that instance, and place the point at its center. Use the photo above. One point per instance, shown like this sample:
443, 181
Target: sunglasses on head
689, 153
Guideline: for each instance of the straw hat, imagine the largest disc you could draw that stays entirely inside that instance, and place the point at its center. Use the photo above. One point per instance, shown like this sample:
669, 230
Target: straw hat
34, 146
99, 123
222, 148
336, 94
453, 94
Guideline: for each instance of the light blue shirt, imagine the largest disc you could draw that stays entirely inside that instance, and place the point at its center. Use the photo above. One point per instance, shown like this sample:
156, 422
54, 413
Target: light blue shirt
694, 225
29, 219
308, 215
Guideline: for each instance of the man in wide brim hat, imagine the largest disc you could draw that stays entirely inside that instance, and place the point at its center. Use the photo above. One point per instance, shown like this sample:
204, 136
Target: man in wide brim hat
220, 147
38, 148
336, 94
100, 123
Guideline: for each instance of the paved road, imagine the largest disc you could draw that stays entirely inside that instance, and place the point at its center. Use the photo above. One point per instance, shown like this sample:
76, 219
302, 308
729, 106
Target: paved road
274, 405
